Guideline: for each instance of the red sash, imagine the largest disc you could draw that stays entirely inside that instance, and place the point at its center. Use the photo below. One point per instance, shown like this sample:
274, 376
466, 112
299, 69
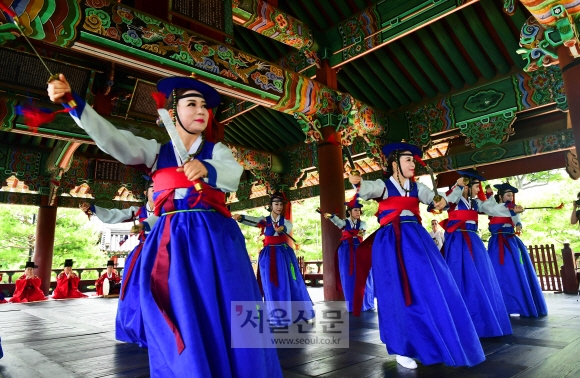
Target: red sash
167, 180
364, 251
346, 235
272, 241
502, 238
463, 216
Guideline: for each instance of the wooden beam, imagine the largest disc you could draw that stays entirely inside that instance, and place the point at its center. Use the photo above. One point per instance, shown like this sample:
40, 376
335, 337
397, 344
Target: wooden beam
530, 164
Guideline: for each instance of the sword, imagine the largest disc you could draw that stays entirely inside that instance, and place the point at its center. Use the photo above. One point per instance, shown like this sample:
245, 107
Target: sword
353, 170
437, 196
176, 140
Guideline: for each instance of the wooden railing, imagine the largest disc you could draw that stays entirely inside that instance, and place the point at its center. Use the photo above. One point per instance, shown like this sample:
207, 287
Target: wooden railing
311, 278
84, 285
546, 265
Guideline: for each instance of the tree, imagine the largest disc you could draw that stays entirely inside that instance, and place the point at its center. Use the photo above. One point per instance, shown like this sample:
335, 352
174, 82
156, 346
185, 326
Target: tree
530, 180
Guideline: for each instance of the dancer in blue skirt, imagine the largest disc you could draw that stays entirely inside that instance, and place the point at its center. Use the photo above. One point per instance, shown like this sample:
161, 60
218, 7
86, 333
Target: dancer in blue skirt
421, 313
278, 270
510, 258
129, 321
194, 262
353, 229
469, 262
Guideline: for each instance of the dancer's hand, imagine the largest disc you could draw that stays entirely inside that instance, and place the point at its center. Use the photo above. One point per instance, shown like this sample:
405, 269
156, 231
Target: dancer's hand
355, 180
461, 181
280, 229
440, 205
57, 89
194, 170
518, 209
85, 206
237, 217
327, 215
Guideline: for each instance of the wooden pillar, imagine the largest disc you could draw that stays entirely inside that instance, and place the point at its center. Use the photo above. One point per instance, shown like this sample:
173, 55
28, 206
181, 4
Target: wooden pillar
571, 75
43, 251
569, 280
331, 175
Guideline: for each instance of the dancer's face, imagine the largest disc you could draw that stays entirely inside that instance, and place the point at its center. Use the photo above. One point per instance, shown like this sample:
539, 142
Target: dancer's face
28, 272
277, 207
149, 194
67, 270
192, 112
474, 189
109, 269
509, 196
355, 213
407, 165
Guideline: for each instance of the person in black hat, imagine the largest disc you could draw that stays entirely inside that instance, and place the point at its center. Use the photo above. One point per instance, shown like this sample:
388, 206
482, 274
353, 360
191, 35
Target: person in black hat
279, 273
114, 280
67, 283
353, 230
469, 261
194, 263
28, 286
510, 257
421, 312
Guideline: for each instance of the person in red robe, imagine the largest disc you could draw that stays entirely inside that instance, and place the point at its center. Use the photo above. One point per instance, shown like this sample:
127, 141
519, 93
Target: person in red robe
67, 283
114, 280
28, 286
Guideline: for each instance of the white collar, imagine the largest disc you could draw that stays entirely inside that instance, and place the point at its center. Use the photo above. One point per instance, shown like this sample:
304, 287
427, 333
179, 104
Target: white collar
192, 149
406, 185
466, 202
275, 220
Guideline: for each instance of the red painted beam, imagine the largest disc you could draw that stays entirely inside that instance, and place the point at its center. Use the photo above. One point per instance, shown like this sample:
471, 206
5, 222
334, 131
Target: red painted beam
531, 164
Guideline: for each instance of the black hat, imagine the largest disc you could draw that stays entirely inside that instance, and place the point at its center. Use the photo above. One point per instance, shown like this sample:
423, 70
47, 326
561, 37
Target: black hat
68, 262
278, 196
30, 264
110, 263
471, 173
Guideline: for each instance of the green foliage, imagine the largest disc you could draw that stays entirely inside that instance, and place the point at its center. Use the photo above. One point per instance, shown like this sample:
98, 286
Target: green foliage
75, 238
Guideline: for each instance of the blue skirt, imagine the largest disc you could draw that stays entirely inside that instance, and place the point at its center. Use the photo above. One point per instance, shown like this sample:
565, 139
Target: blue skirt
436, 327
291, 286
347, 280
516, 276
129, 321
209, 268
477, 283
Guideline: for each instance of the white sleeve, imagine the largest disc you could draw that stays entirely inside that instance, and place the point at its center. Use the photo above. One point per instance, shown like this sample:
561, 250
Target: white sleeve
492, 208
372, 189
112, 216
517, 219
224, 171
150, 222
251, 221
363, 225
426, 194
288, 226
337, 221
122, 145
455, 194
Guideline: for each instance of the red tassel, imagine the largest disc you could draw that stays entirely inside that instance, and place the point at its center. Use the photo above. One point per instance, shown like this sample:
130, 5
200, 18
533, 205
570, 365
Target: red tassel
481, 194
160, 99
419, 160
7, 10
33, 118
209, 129
560, 207
332, 140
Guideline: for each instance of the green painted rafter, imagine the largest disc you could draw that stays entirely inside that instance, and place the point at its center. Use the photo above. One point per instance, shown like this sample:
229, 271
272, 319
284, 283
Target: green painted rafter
412, 68
374, 65
366, 72
444, 63
454, 54
377, 98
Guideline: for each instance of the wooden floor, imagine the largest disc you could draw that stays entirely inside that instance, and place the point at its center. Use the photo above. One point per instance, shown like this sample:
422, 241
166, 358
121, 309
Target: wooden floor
75, 338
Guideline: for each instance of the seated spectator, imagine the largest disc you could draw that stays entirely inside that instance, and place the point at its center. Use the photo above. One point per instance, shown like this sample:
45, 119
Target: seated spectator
437, 234
114, 280
67, 283
28, 286
2, 300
